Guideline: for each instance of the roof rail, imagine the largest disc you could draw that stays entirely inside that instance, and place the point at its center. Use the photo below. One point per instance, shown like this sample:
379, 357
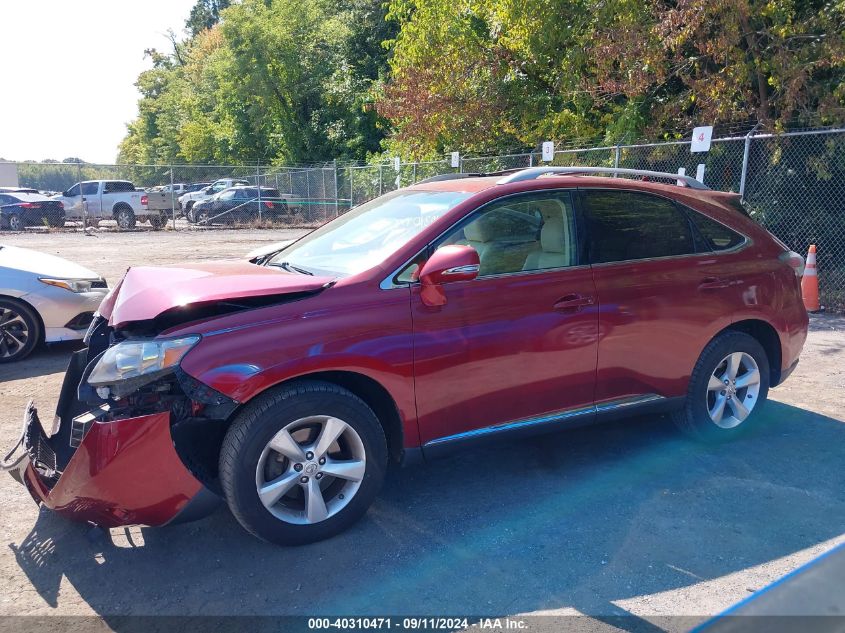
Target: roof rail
450, 176
468, 174
535, 172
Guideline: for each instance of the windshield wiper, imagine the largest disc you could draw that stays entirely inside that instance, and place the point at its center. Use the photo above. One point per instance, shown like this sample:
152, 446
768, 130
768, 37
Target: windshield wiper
291, 268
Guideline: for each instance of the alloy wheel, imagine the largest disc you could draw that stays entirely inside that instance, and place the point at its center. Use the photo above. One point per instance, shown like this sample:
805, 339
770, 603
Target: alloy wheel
14, 333
15, 223
310, 470
733, 390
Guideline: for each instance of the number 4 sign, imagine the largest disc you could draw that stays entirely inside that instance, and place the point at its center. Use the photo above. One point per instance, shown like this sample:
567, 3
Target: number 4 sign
701, 139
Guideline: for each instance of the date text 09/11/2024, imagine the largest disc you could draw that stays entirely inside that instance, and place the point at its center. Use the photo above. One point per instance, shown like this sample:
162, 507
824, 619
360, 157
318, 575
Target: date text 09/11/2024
417, 623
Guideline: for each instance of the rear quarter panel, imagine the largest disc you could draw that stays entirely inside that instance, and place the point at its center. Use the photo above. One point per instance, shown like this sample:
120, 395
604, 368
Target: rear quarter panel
770, 290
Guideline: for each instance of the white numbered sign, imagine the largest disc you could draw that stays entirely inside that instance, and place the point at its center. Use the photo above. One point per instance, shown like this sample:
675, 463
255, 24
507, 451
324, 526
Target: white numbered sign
701, 139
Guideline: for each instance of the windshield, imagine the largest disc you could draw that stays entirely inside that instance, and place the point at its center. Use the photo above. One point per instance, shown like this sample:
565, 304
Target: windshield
367, 235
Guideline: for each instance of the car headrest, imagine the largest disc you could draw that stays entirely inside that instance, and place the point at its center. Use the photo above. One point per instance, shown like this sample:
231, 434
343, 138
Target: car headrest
552, 238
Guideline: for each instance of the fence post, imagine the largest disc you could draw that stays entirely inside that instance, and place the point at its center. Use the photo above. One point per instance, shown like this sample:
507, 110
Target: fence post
745, 152
530, 159
336, 192
616, 160
172, 198
351, 191
82, 197
258, 187
379, 179
308, 190
414, 172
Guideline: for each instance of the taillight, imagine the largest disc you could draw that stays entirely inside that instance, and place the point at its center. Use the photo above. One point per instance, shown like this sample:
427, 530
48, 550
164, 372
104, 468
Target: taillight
144, 200
794, 261
29, 205
61, 205
267, 204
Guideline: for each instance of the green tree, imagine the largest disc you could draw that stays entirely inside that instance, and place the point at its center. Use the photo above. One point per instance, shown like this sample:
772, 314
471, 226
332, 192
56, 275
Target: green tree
488, 74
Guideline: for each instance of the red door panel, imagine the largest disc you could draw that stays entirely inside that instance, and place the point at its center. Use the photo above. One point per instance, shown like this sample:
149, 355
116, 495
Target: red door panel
656, 316
504, 348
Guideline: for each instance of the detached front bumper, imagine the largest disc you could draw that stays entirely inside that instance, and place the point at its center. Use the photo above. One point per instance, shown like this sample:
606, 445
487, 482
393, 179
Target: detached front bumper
110, 472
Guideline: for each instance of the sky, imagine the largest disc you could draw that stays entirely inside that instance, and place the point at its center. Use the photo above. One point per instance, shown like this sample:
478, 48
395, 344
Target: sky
68, 72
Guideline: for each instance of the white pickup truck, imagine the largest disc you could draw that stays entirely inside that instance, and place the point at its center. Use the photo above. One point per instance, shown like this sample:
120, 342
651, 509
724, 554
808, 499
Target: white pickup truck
98, 200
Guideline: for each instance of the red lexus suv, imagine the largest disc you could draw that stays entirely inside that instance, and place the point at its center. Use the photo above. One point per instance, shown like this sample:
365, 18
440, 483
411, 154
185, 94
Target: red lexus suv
459, 310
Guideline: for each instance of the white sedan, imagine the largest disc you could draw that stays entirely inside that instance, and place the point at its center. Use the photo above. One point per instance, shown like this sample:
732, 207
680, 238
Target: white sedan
43, 298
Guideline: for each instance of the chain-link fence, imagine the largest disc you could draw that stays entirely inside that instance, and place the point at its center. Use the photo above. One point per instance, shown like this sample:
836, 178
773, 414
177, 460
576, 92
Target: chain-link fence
793, 183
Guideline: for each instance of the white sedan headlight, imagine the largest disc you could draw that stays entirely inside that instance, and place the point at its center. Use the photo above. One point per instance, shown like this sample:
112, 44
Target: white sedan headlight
74, 285
125, 367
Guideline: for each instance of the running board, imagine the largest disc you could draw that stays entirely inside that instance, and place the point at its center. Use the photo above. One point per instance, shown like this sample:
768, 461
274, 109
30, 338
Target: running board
557, 420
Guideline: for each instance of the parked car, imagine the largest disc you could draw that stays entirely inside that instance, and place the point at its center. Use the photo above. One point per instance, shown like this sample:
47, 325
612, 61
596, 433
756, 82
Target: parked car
43, 298
118, 200
241, 204
19, 210
187, 200
427, 320
18, 190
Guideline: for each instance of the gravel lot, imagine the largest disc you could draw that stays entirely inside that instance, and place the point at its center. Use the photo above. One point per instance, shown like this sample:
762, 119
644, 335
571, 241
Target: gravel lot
624, 519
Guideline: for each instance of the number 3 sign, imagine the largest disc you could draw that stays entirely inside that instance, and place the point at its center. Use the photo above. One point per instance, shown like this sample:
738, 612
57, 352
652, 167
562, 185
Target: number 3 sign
701, 139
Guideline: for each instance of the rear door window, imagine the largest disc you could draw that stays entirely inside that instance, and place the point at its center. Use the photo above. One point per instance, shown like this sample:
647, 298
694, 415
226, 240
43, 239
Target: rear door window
629, 225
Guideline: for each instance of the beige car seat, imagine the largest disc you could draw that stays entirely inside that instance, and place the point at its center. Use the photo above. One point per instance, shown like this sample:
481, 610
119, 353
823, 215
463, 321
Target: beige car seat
556, 244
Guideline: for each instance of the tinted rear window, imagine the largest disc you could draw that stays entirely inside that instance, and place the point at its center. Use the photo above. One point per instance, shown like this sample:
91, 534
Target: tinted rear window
116, 185
717, 236
627, 225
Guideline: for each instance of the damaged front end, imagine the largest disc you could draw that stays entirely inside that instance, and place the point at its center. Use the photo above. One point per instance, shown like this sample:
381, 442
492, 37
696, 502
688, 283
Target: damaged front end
134, 439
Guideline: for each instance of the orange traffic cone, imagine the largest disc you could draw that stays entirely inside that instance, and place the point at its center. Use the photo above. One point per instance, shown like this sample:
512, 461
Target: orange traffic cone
810, 282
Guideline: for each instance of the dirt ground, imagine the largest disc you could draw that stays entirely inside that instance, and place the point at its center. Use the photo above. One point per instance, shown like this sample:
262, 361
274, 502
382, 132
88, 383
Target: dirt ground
627, 519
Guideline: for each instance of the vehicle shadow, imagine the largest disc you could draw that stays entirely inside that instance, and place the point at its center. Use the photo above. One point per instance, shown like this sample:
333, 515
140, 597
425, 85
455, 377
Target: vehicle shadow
46, 359
580, 519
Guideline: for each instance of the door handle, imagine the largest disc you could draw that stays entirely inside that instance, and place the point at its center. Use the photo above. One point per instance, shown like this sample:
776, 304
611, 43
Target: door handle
572, 302
714, 283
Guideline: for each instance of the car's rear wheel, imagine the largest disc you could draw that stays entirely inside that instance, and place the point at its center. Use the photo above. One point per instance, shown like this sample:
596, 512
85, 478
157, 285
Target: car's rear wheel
20, 330
125, 218
303, 462
728, 386
156, 221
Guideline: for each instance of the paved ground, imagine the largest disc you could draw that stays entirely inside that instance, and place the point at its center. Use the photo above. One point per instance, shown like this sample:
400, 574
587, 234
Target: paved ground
625, 518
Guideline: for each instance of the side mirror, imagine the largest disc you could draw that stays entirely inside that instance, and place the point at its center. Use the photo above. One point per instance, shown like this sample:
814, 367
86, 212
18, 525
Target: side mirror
447, 264
66, 194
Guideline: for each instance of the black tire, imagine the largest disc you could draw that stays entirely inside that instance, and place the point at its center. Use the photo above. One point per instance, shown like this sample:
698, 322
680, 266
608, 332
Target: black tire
201, 216
694, 418
125, 217
157, 222
10, 349
16, 222
56, 221
265, 416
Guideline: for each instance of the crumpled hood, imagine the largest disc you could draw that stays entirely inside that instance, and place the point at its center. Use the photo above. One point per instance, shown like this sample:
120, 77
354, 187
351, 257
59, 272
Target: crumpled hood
146, 291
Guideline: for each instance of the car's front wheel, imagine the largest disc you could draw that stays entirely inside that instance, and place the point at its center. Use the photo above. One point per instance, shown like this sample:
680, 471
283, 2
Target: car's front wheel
20, 330
303, 462
728, 386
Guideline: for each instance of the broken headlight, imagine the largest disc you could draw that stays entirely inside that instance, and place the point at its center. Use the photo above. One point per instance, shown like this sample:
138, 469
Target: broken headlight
127, 366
